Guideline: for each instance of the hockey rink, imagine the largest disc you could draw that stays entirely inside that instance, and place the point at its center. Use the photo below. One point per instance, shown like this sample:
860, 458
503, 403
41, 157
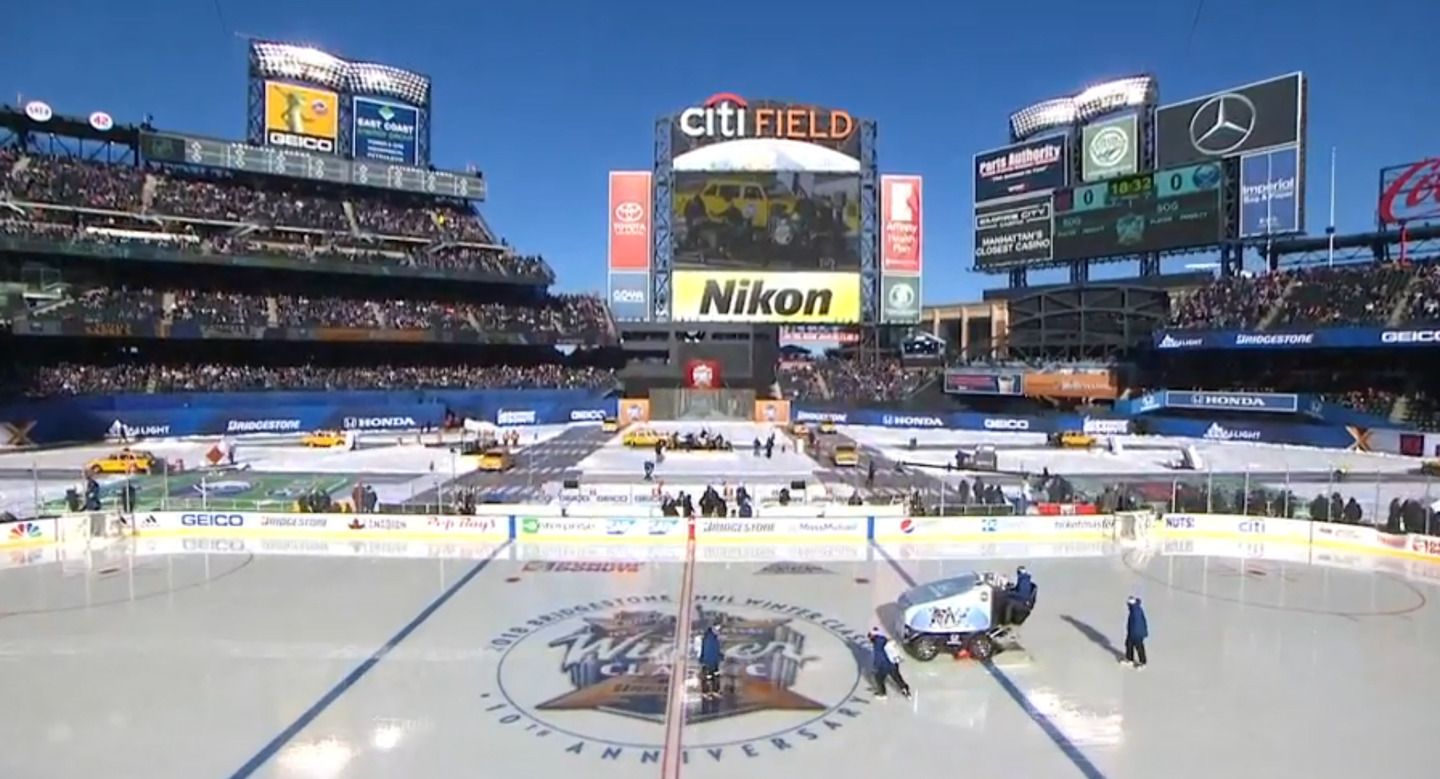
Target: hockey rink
224, 658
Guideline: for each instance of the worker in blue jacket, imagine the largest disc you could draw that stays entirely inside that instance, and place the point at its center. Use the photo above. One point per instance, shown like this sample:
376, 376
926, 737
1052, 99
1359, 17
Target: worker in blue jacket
1137, 629
885, 657
1020, 598
710, 659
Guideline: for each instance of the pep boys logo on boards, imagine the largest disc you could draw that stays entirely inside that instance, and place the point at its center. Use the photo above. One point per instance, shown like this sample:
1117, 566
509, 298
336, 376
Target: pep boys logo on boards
614, 656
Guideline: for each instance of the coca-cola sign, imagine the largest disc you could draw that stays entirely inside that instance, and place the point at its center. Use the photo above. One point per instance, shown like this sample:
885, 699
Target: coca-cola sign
1410, 193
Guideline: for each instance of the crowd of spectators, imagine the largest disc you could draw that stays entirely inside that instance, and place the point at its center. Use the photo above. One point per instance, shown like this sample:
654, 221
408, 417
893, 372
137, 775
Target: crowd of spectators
878, 380
82, 379
296, 219
571, 318
1367, 294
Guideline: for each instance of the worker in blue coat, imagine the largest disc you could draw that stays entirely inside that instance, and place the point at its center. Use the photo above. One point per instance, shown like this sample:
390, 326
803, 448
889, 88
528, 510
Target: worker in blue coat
710, 659
885, 657
1137, 629
1019, 598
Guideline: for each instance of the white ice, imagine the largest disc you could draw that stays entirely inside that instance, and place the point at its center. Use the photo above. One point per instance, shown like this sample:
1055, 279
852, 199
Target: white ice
615, 459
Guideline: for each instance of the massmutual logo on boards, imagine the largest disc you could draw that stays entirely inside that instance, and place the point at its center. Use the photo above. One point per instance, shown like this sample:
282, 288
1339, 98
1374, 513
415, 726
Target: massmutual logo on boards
593, 680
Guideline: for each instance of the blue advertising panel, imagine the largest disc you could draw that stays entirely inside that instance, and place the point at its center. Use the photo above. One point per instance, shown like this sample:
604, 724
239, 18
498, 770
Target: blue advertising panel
630, 296
386, 131
1272, 402
1270, 193
1321, 338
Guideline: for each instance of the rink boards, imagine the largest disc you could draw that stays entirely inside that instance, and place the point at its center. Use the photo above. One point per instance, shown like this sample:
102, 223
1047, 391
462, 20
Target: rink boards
842, 529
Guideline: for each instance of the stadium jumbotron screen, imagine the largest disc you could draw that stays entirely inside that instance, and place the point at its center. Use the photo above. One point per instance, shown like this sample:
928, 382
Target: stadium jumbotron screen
784, 220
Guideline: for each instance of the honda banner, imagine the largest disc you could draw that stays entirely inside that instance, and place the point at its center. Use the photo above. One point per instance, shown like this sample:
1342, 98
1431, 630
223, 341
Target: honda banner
1281, 403
630, 222
1270, 193
1324, 338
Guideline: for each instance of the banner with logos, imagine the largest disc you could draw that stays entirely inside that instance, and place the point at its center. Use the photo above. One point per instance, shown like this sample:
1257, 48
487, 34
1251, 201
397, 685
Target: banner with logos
385, 131
965, 382
1270, 193
356, 526
630, 220
1255, 117
633, 411
630, 296
902, 257
1320, 338
1410, 193
301, 117
759, 296
1015, 233
1101, 385
1110, 148
775, 412
1265, 402
1029, 168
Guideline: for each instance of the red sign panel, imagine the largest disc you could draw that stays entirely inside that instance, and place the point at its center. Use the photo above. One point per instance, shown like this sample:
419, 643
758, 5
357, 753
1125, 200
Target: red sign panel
702, 374
900, 224
1410, 193
630, 221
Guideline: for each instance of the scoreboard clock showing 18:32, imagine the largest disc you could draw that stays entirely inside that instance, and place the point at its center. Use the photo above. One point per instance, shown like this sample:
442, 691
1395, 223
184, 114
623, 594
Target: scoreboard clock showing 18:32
1177, 208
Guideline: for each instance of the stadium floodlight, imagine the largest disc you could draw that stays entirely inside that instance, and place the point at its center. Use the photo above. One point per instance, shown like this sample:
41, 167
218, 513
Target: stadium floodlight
301, 63
313, 66
1062, 112
371, 78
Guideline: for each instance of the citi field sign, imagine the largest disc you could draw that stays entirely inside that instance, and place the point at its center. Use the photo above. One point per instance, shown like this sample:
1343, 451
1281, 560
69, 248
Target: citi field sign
729, 117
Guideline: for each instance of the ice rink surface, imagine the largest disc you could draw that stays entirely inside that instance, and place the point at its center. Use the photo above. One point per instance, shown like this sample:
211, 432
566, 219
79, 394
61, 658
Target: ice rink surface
229, 665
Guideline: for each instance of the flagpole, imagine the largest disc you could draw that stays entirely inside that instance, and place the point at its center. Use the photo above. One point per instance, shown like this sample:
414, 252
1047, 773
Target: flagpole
1330, 230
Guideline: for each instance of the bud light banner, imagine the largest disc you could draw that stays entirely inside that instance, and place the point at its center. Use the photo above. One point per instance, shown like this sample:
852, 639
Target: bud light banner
1270, 193
386, 131
1270, 402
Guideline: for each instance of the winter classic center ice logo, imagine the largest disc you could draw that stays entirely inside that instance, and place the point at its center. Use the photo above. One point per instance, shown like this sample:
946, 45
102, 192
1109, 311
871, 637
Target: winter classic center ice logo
593, 680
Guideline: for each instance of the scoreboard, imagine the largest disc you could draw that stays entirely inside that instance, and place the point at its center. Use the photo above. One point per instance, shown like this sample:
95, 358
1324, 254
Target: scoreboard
1171, 209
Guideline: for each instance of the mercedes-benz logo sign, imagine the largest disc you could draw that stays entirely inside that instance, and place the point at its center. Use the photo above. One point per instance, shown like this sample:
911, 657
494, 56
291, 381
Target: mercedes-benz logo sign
1222, 124
902, 296
629, 212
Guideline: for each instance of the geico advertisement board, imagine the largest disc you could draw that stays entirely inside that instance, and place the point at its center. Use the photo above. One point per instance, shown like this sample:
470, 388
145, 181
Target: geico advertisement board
299, 117
244, 523
754, 296
741, 530
980, 528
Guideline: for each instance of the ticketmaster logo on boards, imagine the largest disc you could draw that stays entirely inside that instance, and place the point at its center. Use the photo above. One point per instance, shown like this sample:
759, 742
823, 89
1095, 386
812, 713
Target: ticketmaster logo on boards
592, 680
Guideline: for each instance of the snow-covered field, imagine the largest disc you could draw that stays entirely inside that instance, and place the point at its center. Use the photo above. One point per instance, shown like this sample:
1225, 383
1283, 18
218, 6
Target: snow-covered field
1226, 456
615, 459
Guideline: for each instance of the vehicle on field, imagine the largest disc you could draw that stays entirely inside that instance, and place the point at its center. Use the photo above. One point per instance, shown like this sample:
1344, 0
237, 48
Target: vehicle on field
845, 456
323, 439
826, 427
643, 438
973, 612
496, 460
800, 429
609, 425
1071, 439
126, 461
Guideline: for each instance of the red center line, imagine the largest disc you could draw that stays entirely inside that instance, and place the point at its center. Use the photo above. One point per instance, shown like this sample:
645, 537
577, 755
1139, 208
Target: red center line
670, 756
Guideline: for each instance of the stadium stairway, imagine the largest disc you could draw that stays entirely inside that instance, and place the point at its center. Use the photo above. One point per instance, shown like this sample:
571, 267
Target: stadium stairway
1279, 308
1400, 412
147, 192
1402, 302
350, 217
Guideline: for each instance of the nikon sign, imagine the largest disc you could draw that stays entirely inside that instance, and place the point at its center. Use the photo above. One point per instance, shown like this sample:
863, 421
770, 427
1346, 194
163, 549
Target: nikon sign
785, 298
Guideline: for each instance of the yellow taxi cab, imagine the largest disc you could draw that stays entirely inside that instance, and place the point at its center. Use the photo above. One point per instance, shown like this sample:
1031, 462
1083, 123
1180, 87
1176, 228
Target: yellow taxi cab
323, 439
845, 456
1430, 468
1072, 439
800, 429
496, 460
642, 438
609, 425
827, 427
125, 461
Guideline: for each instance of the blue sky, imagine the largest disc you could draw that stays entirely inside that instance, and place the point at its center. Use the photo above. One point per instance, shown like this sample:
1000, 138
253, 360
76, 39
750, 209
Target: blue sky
546, 97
